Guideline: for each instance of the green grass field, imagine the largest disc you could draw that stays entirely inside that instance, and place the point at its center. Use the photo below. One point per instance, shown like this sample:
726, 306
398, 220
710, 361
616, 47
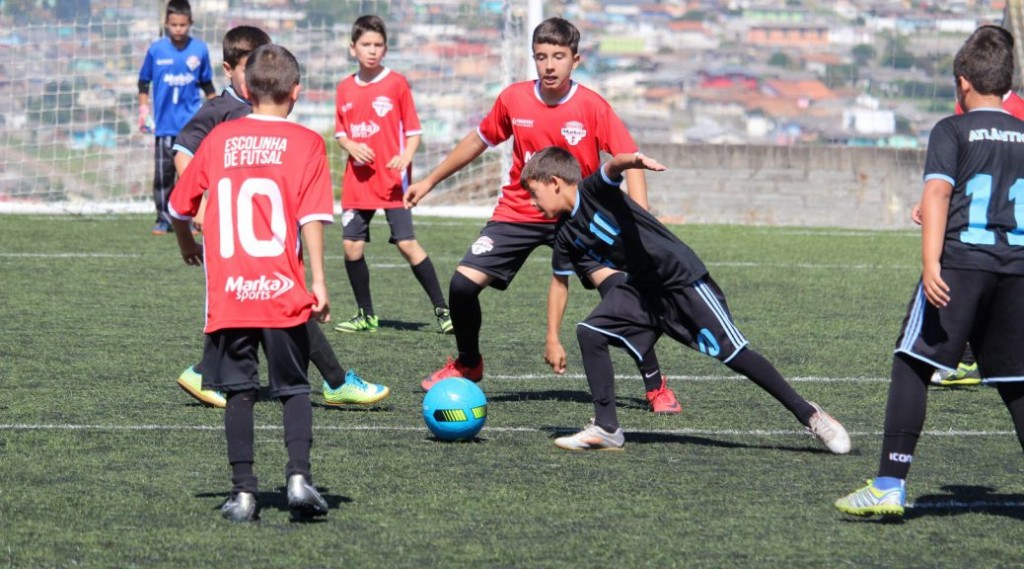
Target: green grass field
104, 462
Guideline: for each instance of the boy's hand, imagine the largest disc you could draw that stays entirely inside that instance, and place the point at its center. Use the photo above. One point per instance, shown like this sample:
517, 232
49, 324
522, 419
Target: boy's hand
192, 253
935, 289
554, 355
398, 163
915, 213
321, 309
644, 161
362, 154
415, 193
145, 122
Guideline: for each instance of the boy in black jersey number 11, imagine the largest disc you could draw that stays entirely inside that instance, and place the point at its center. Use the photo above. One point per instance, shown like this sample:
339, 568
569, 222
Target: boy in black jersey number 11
972, 266
667, 291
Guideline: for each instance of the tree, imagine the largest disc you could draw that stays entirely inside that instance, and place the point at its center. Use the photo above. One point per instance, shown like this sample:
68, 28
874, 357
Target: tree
863, 54
897, 55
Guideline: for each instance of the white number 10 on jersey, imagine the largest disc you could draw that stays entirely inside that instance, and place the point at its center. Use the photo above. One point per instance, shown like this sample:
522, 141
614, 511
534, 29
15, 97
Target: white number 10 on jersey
242, 210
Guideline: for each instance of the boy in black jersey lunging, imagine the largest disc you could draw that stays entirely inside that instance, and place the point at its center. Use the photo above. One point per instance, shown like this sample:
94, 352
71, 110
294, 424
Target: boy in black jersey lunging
668, 291
972, 267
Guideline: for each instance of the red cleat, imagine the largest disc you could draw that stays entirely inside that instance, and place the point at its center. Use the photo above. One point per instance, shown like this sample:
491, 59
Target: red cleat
454, 368
663, 400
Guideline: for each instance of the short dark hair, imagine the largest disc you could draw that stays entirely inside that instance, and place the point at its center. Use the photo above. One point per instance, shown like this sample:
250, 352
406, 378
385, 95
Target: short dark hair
369, 23
551, 162
240, 41
986, 60
179, 7
271, 72
557, 31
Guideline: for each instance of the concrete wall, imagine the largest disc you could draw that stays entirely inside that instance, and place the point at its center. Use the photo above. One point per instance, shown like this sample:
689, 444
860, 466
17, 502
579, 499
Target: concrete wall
864, 188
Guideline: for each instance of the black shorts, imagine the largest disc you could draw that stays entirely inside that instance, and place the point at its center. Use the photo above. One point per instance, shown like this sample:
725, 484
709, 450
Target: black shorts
502, 248
231, 360
696, 316
355, 224
986, 309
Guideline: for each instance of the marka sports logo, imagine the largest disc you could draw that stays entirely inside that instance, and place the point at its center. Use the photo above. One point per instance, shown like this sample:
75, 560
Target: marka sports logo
258, 289
364, 130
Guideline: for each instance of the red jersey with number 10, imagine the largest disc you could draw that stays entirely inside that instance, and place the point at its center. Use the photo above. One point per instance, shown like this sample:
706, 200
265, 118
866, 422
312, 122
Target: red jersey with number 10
380, 114
266, 178
582, 123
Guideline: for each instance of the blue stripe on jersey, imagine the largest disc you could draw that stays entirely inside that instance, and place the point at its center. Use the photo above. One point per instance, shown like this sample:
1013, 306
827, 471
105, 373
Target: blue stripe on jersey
604, 229
942, 177
711, 300
630, 347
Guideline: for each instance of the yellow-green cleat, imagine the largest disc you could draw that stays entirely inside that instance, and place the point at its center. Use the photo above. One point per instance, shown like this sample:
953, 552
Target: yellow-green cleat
192, 383
964, 374
872, 501
355, 391
361, 322
444, 320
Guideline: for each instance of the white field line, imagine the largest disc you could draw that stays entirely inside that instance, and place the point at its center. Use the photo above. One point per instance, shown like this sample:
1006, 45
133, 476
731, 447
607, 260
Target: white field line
533, 259
671, 377
958, 505
378, 428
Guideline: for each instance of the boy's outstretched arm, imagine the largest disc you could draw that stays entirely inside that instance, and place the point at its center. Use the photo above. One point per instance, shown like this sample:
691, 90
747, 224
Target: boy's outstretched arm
464, 152
313, 239
622, 162
558, 297
934, 215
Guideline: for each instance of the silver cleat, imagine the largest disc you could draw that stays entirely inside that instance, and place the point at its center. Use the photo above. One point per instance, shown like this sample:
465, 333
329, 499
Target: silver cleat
240, 508
303, 499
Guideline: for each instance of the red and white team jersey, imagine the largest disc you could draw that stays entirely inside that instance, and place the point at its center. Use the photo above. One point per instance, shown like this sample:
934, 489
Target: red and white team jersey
583, 123
1012, 103
380, 114
266, 178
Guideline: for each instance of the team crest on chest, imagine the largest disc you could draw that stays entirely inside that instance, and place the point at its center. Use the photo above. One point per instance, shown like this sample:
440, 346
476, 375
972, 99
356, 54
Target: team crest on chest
482, 245
382, 105
192, 62
574, 132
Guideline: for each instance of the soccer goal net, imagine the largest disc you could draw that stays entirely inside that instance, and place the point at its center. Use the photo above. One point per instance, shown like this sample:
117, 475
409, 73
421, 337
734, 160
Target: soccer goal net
68, 111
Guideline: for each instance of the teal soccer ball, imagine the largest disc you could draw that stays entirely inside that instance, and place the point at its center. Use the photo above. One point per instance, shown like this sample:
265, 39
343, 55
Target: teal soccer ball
455, 409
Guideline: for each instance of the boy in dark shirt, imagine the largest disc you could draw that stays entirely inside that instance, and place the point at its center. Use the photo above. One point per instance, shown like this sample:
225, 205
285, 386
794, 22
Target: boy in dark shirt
668, 291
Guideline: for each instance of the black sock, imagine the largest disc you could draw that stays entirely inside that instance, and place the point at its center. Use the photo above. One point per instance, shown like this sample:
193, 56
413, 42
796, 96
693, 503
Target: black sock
464, 295
359, 277
1013, 397
968, 357
322, 356
650, 370
904, 415
298, 434
427, 277
759, 370
238, 430
597, 363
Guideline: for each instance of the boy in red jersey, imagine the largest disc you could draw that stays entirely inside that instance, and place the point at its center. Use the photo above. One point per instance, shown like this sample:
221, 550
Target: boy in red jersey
552, 110
376, 123
340, 387
269, 181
